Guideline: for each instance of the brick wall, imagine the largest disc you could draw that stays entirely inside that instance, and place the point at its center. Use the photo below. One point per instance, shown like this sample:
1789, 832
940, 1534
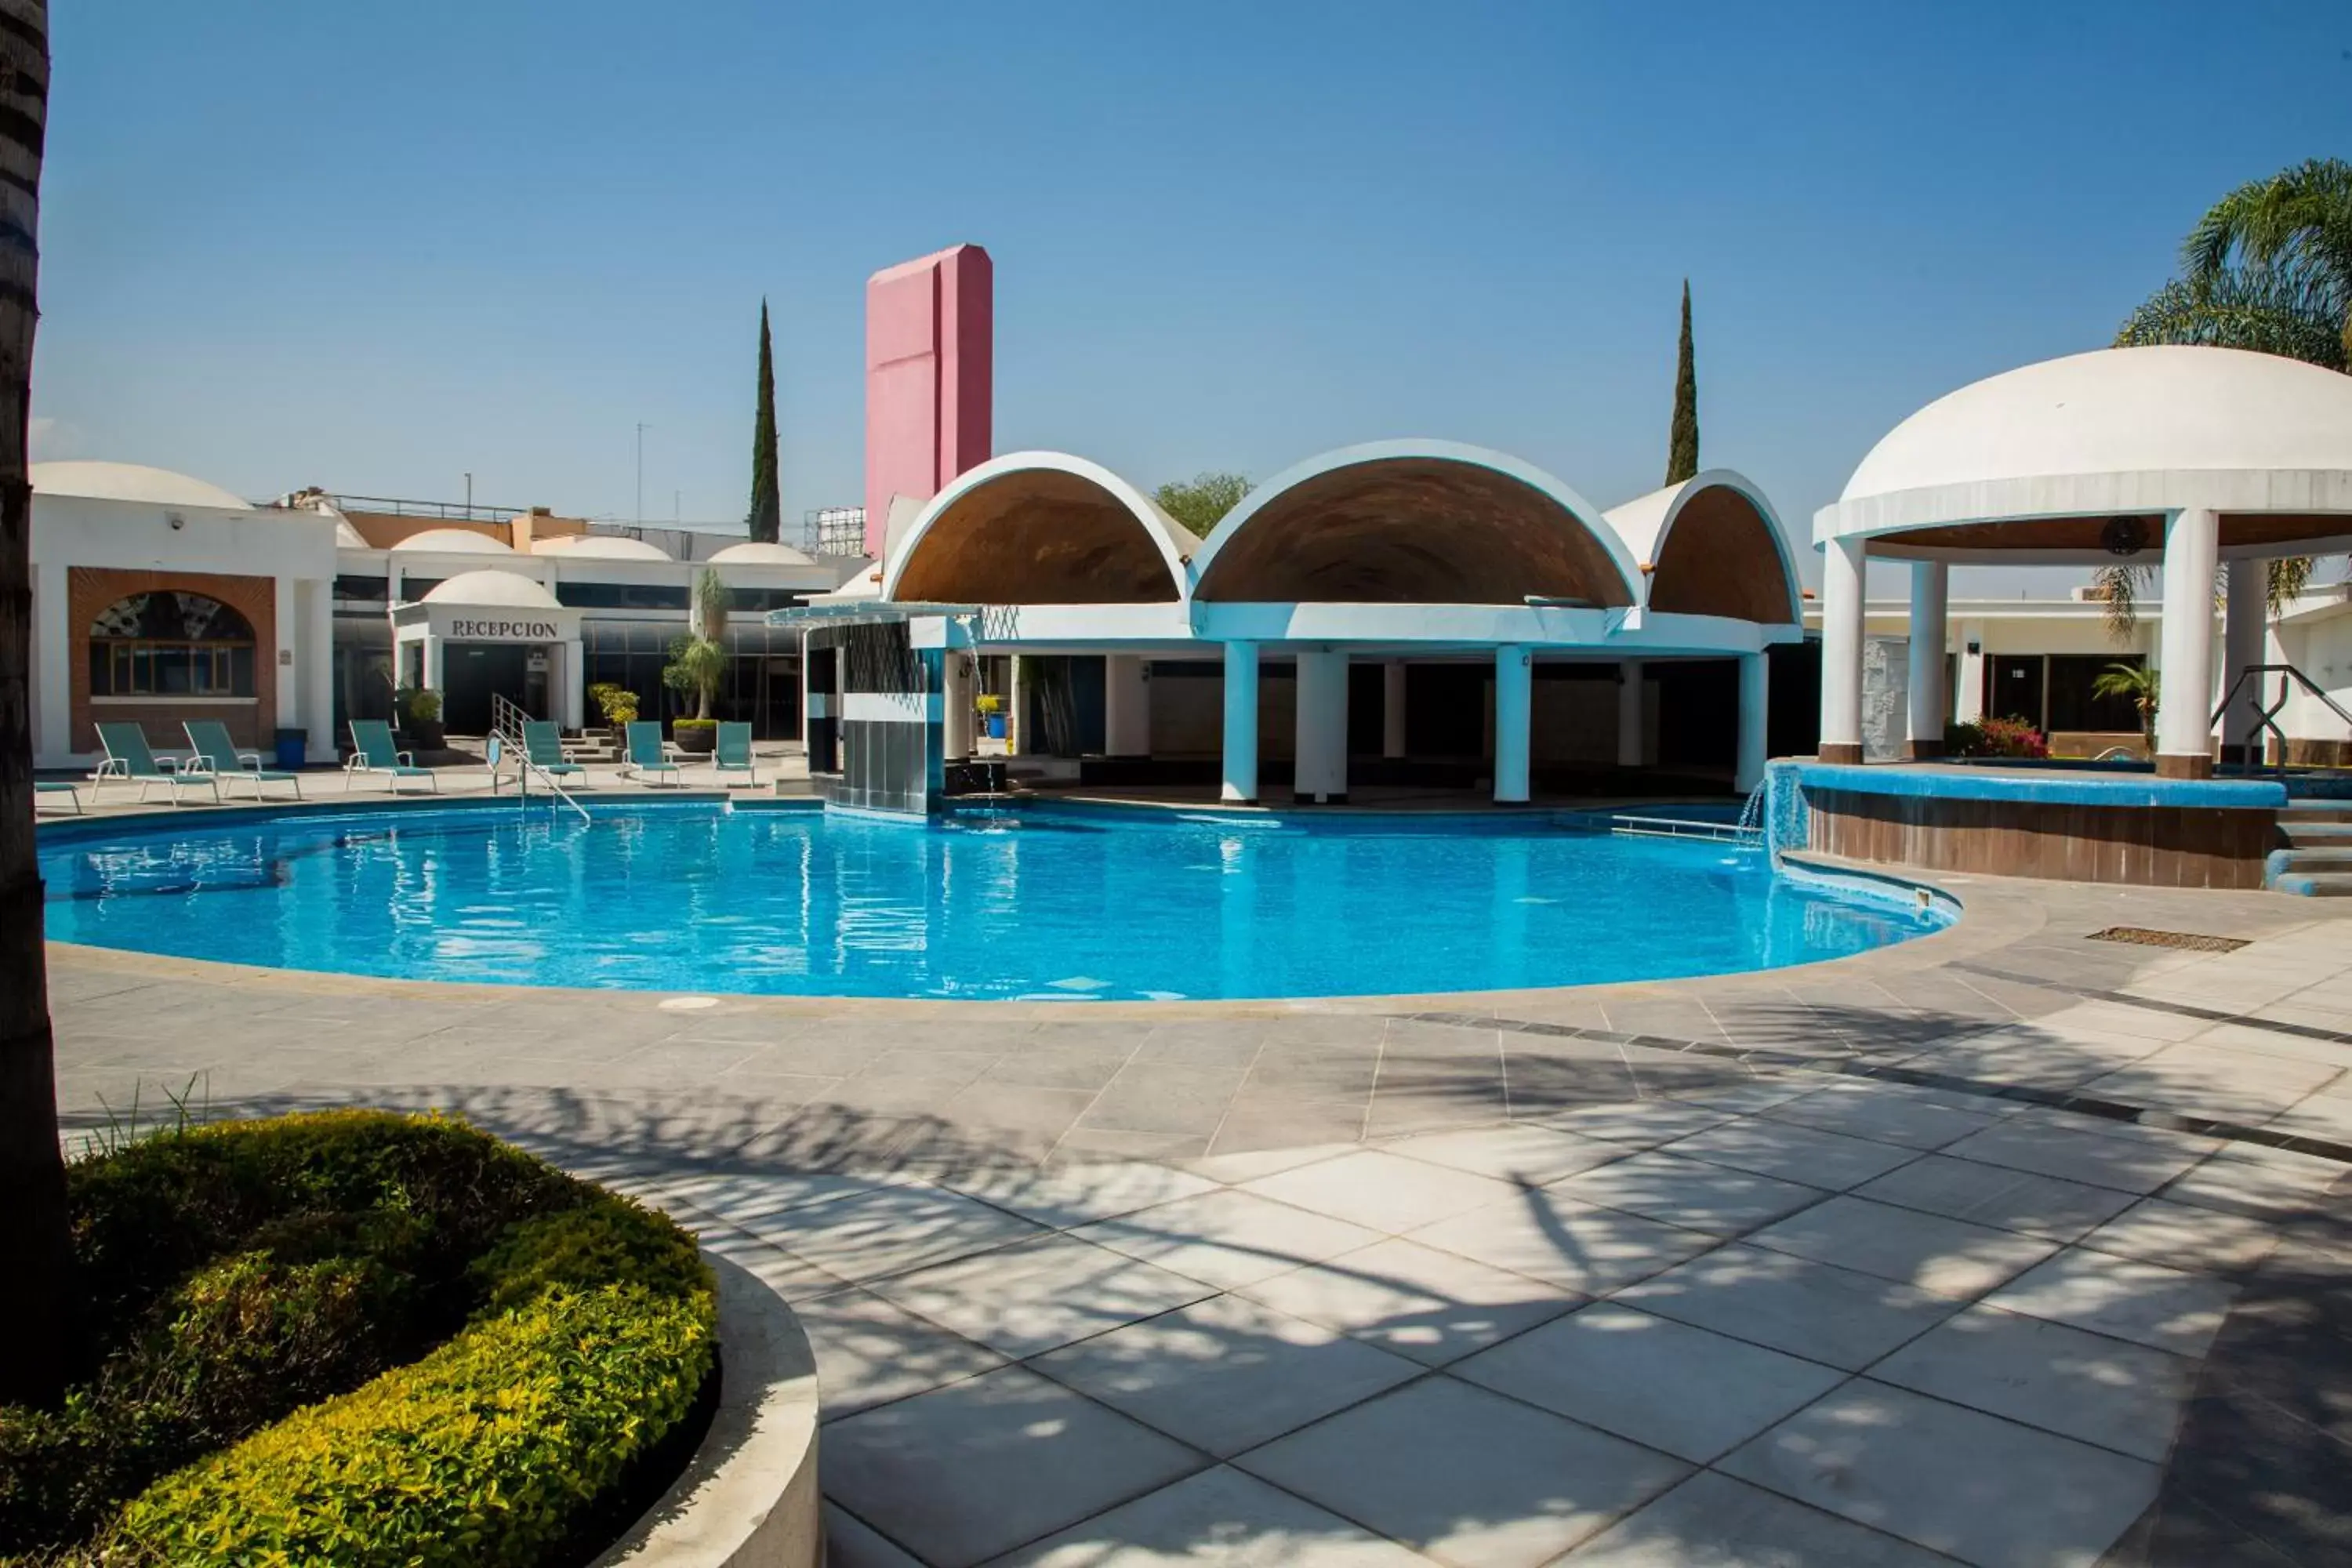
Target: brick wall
90, 590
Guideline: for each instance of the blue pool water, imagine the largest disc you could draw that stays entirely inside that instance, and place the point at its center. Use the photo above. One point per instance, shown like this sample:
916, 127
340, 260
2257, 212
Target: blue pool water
1050, 903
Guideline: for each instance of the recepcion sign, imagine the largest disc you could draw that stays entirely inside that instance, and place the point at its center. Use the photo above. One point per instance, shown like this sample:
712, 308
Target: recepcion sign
503, 631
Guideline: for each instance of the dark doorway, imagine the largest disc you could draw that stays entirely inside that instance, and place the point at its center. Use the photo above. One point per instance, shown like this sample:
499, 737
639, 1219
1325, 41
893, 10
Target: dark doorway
472, 672
1698, 713
2013, 688
1445, 709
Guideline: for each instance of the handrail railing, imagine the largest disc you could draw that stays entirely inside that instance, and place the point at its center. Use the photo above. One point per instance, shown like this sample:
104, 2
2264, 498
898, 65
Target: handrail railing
2267, 717
507, 721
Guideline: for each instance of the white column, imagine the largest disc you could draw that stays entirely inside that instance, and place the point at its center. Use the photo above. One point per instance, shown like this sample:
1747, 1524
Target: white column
1322, 731
574, 698
2184, 731
1016, 707
317, 656
286, 700
2243, 632
1514, 713
1126, 706
1968, 702
1930, 599
1393, 709
1630, 681
1844, 564
956, 721
431, 679
52, 667
1241, 723
1754, 715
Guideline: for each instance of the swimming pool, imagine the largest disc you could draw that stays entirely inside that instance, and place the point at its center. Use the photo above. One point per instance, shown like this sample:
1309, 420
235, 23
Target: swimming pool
1060, 904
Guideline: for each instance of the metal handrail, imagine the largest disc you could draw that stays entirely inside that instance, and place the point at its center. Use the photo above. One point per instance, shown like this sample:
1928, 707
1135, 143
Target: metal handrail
2267, 717
507, 720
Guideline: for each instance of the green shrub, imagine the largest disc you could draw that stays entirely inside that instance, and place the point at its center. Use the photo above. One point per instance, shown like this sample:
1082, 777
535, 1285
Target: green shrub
258, 1394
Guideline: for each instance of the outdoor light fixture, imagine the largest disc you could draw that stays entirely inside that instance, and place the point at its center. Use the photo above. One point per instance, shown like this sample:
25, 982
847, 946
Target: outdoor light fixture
2124, 536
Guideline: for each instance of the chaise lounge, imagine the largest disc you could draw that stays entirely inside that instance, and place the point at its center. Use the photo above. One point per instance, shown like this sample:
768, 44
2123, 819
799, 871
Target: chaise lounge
216, 754
130, 759
373, 752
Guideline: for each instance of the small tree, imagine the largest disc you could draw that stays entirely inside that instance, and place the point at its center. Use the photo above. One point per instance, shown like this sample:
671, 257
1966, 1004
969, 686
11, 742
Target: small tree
1200, 502
767, 517
697, 660
1682, 435
2142, 686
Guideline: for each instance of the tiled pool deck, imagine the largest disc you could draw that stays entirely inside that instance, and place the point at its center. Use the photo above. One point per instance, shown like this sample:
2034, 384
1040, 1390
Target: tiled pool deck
1815, 1267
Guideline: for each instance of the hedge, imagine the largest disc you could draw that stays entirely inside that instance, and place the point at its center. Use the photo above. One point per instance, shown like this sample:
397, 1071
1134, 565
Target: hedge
321, 1401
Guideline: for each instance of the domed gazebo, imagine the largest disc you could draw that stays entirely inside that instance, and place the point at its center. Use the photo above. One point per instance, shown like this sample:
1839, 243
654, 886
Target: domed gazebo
2183, 458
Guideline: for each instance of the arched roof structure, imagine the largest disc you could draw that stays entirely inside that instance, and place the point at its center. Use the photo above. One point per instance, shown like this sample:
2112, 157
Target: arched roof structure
753, 553
1711, 546
451, 541
1040, 528
2063, 461
1414, 521
492, 589
131, 482
601, 547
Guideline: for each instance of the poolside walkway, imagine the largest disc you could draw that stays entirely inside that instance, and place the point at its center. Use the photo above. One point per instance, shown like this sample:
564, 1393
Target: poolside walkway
2005, 1246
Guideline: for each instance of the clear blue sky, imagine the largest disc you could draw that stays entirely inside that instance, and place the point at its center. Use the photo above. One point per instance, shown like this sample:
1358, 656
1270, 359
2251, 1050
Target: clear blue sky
373, 246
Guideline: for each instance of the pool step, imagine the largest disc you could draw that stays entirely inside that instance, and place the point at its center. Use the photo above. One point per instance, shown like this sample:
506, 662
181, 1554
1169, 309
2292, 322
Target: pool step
2316, 885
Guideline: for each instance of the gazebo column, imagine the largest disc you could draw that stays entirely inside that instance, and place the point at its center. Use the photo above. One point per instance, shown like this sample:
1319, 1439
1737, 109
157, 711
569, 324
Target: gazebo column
1631, 683
1240, 785
2184, 728
1322, 746
571, 696
1755, 716
1844, 564
1016, 706
1931, 596
956, 704
1514, 716
1126, 706
1393, 709
2244, 612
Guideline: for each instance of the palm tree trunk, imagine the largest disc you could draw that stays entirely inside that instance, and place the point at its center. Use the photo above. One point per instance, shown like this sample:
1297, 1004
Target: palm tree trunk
34, 1257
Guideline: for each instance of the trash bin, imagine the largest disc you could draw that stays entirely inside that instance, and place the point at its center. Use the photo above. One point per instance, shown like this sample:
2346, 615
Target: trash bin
292, 746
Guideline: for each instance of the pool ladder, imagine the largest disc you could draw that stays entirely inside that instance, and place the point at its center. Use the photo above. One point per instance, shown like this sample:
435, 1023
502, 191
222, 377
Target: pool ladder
506, 724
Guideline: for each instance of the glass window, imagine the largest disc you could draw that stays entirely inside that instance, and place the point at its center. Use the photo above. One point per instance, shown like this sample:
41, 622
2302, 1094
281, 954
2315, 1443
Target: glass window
170, 644
620, 596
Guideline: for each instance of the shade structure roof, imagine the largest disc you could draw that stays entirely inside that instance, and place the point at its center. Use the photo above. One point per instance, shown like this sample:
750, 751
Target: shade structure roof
451, 541
2083, 458
492, 589
131, 482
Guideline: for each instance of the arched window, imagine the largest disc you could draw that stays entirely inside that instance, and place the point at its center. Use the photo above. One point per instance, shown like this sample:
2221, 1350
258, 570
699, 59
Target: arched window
168, 644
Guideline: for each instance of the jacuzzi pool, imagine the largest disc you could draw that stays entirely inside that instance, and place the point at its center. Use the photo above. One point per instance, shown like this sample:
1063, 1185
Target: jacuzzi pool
1065, 903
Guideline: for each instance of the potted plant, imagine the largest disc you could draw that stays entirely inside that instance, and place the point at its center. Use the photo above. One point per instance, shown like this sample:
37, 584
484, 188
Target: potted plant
618, 704
417, 711
697, 665
991, 714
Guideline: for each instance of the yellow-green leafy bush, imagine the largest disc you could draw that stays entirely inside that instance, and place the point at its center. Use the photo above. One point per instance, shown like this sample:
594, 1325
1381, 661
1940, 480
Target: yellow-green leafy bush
394, 1340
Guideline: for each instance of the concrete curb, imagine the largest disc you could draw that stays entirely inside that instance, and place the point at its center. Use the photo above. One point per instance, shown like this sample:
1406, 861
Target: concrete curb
748, 1498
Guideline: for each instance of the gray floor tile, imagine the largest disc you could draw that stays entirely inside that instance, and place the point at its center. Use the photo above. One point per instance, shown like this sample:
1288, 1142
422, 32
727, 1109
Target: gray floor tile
1999, 1196
2106, 1155
967, 1472
1694, 1394
1791, 1304
2184, 1236
1522, 1153
2064, 1380
1641, 1124
1713, 1521
1948, 1256
1078, 1194
2143, 1302
1382, 1191
2266, 1184
1547, 1235
886, 1229
849, 1542
1418, 1301
1663, 1186
1033, 1296
1229, 1238
1886, 1114
1466, 1476
1793, 1153
1227, 1373
1217, 1518
869, 1352
1954, 1481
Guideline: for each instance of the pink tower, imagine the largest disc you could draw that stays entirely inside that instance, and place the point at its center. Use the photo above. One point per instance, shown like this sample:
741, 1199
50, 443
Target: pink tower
930, 372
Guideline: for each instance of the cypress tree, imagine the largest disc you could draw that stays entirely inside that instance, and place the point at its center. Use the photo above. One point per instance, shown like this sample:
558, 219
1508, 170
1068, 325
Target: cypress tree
1682, 440
767, 518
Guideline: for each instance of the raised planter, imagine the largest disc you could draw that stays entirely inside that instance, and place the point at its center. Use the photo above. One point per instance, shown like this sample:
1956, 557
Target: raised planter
748, 1498
694, 740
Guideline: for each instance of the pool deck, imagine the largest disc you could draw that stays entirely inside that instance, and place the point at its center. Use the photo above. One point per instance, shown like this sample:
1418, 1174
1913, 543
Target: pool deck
2005, 1245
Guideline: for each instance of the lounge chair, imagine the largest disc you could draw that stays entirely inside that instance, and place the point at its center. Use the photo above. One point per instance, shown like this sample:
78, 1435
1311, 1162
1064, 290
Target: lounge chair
543, 744
648, 758
52, 787
734, 753
373, 752
128, 758
216, 754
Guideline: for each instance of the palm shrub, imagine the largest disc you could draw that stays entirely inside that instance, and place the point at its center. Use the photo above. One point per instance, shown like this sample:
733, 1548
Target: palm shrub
2140, 685
697, 660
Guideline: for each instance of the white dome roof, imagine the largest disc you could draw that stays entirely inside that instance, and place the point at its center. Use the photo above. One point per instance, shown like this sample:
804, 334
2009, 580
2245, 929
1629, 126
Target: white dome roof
2120, 411
131, 482
752, 553
491, 587
454, 542
598, 547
